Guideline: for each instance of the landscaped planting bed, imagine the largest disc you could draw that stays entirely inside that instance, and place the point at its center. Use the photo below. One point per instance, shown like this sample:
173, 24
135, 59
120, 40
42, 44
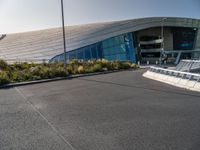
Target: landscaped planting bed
20, 72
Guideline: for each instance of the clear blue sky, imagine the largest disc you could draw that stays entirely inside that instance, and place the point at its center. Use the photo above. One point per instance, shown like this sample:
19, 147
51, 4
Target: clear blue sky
26, 15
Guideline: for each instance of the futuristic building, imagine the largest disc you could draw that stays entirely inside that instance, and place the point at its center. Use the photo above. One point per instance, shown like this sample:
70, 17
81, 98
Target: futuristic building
146, 39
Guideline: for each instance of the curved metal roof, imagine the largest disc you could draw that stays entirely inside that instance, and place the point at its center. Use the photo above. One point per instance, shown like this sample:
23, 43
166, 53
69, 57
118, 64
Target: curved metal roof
45, 44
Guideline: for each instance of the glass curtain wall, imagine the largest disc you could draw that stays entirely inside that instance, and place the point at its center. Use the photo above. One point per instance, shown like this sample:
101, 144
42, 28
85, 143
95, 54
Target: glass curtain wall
120, 48
184, 38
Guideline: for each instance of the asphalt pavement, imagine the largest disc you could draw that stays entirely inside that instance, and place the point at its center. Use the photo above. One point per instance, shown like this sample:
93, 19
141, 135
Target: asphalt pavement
117, 111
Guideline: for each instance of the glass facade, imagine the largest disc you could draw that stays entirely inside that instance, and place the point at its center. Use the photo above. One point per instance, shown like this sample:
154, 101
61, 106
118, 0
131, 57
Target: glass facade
184, 38
120, 48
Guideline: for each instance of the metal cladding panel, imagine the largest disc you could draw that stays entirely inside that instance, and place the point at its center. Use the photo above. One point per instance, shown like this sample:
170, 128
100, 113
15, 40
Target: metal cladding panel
40, 44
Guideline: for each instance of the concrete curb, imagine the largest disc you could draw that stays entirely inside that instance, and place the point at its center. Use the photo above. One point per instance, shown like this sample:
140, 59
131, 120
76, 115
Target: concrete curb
178, 82
59, 78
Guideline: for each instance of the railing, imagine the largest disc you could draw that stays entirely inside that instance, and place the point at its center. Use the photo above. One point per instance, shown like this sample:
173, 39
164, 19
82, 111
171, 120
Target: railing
181, 79
171, 56
188, 65
177, 74
181, 54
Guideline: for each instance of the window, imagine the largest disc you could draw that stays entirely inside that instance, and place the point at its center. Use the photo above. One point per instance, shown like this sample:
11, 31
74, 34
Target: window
184, 38
87, 54
122, 48
72, 55
94, 52
99, 51
80, 54
115, 48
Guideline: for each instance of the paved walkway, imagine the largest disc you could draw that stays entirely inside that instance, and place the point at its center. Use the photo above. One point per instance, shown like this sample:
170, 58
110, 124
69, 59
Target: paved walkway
118, 111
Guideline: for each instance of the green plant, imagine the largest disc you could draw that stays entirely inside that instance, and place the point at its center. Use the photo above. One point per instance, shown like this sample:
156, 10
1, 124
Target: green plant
18, 76
103, 62
36, 78
21, 66
96, 68
117, 65
134, 66
70, 69
4, 79
125, 65
59, 72
19, 72
3, 65
74, 62
81, 70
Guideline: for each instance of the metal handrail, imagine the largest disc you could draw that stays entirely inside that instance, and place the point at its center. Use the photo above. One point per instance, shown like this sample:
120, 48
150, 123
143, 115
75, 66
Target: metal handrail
181, 79
188, 65
181, 51
188, 60
172, 72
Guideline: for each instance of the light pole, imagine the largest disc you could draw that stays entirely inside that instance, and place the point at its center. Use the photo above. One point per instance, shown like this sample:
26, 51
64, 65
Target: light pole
64, 41
162, 37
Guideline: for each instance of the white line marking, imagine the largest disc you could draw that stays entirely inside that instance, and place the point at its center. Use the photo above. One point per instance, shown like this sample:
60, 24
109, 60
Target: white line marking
48, 122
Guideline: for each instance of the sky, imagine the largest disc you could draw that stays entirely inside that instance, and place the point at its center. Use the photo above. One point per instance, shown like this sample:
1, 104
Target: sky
29, 15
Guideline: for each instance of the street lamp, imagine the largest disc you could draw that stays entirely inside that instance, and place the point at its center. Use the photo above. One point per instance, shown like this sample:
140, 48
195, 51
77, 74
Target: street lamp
64, 41
162, 37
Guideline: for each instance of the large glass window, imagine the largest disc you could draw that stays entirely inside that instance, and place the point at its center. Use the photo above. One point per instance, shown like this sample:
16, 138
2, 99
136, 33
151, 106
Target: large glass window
116, 48
184, 38
99, 50
94, 52
72, 55
80, 54
87, 54
120, 48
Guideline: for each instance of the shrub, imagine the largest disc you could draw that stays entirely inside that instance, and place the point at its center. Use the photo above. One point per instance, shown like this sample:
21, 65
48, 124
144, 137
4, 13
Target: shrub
60, 64
81, 70
75, 69
21, 66
96, 68
104, 62
70, 69
73, 66
59, 72
134, 66
36, 78
117, 65
3, 65
74, 62
27, 72
18, 76
4, 79
39, 71
35, 71
44, 72
106, 65
125, 65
